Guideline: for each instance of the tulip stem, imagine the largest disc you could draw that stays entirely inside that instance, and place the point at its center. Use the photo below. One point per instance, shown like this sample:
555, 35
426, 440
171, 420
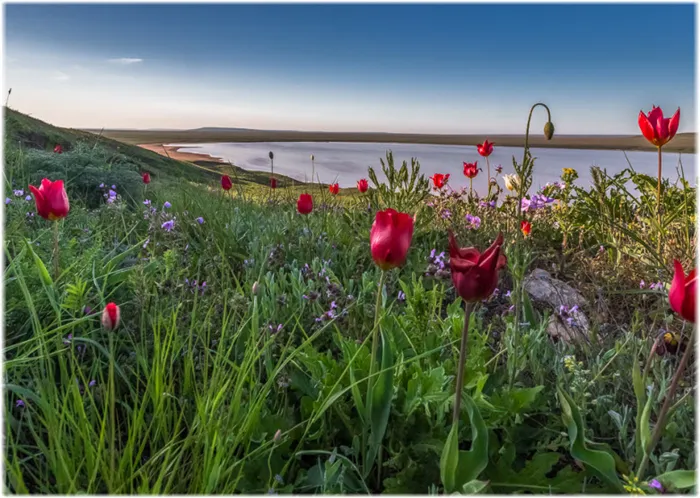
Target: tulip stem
56, 265
488, 175
658, 205
661, 421
468, 308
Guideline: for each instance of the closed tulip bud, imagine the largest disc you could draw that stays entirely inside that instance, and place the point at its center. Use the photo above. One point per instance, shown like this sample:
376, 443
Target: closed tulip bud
334, 189
278, 436
475, 274
681, 295
390, 238
271, 155
51, 199
549, 130
226, 182
256, 287
111, 316
58, 149
362, 185
146, 178
273, 183
305, 204
312, 157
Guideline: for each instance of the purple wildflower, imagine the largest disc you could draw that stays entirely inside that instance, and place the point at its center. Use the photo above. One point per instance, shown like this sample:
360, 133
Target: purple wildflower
147, 202
19, 403
92, 383
401, 296
28, 198
7, 200
200, 220
102, 185
18, 193
446, 214
655, 484
167, 205
168, 225
642, 284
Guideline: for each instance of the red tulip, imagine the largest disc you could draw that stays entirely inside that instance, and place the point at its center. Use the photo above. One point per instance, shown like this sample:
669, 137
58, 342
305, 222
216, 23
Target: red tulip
51, 199
657, 129
681, 296
525, 227
110, 316
485, 149
471, 170
440, 180
273, 182
362, 185
146, 178
474, 274
226, 183
305, 204
334, 189
390, 238
58, 149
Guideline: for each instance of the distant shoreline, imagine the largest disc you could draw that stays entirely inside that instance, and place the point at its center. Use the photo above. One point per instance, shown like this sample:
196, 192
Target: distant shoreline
173, 152
683, 142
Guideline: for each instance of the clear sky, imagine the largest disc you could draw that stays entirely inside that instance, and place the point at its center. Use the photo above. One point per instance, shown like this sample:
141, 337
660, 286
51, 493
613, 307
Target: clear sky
360, 67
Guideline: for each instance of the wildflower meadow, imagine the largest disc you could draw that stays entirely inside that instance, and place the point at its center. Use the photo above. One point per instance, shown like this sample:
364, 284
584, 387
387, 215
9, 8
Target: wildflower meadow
169, 329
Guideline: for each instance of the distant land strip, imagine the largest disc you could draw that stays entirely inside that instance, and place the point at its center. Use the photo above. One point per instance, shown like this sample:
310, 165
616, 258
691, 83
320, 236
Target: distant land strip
683, 142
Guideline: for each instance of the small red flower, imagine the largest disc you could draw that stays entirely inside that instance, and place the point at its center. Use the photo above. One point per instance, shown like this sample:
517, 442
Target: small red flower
226, 183
334, 189
390, 238
273, 183
362, 185
440, 180
474, 273
471, 169
657, 129
58, 149
525, 227
146, 178
305, 204
681, 295
110, 316
485, 149
51, 199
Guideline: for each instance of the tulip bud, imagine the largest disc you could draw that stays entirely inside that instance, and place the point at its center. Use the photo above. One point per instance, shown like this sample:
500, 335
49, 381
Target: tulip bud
255, 288
272, 156
111, 316
549, 130
312, 157
278, 436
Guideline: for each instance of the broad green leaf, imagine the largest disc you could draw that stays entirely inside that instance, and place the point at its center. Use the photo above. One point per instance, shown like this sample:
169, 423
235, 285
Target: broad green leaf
638, 384
474, 487
449, 459
677, 479
43, 272
599, 461
531, 315
382, 393
644, 430
473, 462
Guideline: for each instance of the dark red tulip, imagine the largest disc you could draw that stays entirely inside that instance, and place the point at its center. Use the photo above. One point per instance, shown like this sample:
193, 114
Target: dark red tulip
334, 189
273, 182
475, 274
110, 316
485, 149
58, 149
51, 199
471, 170
681, 295
305, 204
390, 238
362, 185
226, 183
440, 180
525, 227
146, 178
657, 129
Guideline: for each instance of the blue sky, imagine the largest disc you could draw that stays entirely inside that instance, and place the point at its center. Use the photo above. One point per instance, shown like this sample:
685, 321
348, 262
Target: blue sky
364, 67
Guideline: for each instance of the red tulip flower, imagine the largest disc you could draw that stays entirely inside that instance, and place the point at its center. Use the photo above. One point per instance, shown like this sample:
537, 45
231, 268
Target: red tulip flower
362, 185
440, 180
475, 274
273, 183
146, 178
305, 204
681, 296
657, 129
390, 238
525, 227
58, 149
334, 189
226, 183
51, 199
485, 149
110, 316
471, 170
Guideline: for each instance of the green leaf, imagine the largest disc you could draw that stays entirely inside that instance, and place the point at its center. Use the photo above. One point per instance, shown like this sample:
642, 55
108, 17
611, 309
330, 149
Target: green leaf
644, 429
473, 462
600, 462
638, 384
677, 479
531, 315
43, 272
474, 487
382, 393
449, 460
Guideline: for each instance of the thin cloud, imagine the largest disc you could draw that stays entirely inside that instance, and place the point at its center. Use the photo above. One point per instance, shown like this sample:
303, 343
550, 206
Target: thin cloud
125, 61
60, 76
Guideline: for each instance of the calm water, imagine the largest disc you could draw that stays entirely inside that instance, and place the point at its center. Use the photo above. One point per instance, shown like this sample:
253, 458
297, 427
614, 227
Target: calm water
345, 163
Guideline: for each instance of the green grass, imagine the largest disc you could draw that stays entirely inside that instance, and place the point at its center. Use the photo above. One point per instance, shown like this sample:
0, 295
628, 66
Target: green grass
192, 387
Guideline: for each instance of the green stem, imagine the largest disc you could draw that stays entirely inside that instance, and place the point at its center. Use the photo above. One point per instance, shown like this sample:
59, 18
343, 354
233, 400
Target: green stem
488, 174
661, 421
112, 402
468, 308
658, 205
56, 254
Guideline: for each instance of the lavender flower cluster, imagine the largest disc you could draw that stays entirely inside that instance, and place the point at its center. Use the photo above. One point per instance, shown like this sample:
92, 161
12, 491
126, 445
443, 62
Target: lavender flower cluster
538, 201
473, 222
437, 267
194, 287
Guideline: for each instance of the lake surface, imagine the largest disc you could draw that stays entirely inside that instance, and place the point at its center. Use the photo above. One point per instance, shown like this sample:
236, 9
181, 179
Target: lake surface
345, 163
